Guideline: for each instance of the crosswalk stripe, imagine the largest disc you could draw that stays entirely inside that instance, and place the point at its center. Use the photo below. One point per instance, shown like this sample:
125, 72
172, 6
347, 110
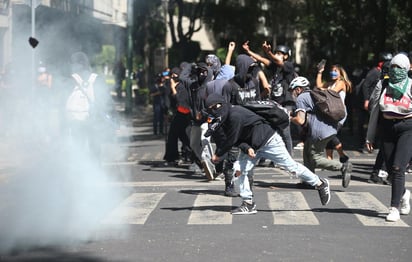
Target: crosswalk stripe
369, 210
288, 208
145, 156
201, 182
159, 156
211, 210
291, 208
135, 209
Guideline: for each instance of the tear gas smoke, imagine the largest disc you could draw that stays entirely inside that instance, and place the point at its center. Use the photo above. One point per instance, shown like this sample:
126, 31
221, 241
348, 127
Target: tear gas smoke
52, 190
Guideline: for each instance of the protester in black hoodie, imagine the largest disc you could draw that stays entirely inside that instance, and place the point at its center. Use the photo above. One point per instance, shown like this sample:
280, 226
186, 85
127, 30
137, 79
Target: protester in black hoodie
251, 133
194, 82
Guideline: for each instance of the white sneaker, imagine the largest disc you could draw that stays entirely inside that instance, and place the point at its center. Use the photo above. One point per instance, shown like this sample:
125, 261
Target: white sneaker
382, 173
405, 203
393, 215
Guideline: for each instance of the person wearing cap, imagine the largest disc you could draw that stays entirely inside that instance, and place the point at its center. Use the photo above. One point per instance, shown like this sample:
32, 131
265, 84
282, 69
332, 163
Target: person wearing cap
396, 119
319, 132
255, 138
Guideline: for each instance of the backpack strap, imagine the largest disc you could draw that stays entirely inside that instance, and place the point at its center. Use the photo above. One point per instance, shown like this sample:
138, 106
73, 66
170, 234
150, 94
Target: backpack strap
92, 78
89, 91
78, 79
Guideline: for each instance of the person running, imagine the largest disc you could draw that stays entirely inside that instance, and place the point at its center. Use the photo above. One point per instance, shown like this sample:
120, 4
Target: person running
255, 138
319, 132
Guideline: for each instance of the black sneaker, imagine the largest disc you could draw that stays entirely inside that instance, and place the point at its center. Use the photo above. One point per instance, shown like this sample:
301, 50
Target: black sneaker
324, 191
230, 191
262, 162
304, 185
245, 209
388, 180
170, 164
374, 178
344, 159
346, 173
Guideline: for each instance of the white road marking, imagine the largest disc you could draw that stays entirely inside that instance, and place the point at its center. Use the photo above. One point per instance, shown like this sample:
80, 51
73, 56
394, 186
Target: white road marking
369, 210
291, 208
209, 210
135, 209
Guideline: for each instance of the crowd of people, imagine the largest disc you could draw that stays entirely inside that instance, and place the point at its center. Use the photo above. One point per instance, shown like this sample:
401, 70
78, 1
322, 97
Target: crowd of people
205, 105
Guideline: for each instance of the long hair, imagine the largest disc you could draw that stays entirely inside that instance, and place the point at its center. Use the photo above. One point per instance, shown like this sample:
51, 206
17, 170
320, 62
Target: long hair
344, 77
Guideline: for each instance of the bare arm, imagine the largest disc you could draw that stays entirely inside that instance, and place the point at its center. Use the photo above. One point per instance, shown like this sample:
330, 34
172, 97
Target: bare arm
229, 54
276, 58
256, 56
299, 119
265, 84
319, 83
173, 85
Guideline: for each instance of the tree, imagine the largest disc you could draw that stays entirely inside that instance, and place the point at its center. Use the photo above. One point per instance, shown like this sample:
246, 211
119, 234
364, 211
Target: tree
183, 48
352, 31
149, 34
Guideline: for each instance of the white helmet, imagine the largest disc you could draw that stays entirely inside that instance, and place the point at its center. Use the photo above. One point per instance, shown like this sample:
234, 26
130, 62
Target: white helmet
299, 81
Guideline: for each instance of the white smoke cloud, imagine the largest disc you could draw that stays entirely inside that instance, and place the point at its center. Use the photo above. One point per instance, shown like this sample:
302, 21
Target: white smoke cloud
52, 191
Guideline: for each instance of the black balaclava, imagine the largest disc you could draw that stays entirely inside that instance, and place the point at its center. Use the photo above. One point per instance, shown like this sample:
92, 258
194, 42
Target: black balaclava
222, 110
243, 72
200, 73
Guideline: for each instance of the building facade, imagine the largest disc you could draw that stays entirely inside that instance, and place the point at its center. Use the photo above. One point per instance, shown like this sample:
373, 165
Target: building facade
61, 27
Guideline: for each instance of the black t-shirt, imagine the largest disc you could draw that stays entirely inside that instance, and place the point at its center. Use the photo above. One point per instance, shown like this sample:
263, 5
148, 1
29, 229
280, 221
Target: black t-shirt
280, 81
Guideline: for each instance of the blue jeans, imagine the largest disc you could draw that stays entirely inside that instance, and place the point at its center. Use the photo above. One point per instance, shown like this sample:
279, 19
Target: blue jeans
274, 150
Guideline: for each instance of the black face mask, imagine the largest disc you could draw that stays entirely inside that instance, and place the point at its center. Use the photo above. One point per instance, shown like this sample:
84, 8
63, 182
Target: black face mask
219, 110
201, 77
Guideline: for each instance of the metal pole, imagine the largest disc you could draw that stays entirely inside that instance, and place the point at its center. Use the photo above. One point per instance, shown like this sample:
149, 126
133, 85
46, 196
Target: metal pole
128, 106
166, 27
33, 55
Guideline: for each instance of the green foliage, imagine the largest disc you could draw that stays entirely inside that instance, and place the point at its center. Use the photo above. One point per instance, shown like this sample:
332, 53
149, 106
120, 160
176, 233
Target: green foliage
348, 32
106, 57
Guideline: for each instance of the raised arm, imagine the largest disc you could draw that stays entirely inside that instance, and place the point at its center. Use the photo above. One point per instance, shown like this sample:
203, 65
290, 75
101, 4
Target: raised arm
229, 54
275, 58
256, 56
319, 83
264, 81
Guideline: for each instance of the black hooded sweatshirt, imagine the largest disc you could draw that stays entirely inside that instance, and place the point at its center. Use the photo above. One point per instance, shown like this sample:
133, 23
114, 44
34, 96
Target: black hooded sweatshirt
241, 127
245, 84
244, 129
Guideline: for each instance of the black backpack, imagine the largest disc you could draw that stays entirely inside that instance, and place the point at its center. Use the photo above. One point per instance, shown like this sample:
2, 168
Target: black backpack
328, 105
271, 111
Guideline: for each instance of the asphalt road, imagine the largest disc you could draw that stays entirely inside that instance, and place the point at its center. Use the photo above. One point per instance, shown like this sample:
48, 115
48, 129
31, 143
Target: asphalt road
170, 214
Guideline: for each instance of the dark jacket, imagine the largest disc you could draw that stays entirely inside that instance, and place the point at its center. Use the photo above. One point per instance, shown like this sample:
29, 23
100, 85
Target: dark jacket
244, 129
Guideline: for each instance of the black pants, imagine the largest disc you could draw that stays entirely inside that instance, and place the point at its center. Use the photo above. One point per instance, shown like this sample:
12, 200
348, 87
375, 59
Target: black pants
178, 130
397, 142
